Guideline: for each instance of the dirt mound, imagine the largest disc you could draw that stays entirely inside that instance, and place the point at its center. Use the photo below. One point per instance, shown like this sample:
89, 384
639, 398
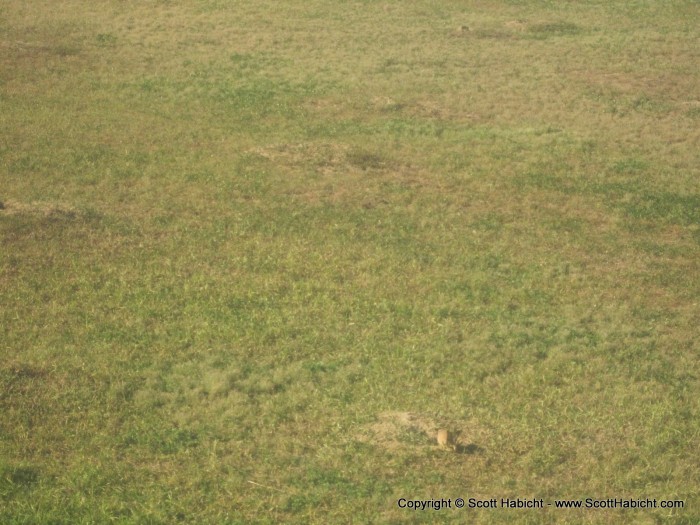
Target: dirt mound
409, 430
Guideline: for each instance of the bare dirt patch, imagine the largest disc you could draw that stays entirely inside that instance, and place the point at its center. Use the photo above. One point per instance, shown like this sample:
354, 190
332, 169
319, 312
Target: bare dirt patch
412, 431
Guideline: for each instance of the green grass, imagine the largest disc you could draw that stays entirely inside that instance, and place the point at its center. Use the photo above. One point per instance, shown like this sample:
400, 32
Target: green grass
254, 255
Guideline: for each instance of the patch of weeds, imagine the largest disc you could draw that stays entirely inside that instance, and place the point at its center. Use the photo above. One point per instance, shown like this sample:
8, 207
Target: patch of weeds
588, 147
17, 477
667, 206
252, 178
20, 382
259, 98
90, 479
399, 128
648, 104
249, 62
565, 224
612, 190
582, 336
263, 387
150, 85
161, 441
540, 180
365, 159
259, 381
321, 477
106, 39
696, 235
630, 165
320, 367
490, 222
300, 502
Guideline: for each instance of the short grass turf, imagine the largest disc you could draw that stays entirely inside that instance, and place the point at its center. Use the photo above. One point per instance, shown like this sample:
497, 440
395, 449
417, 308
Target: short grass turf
254, 254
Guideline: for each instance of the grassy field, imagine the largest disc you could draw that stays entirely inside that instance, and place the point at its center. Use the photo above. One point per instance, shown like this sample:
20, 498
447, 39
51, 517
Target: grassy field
254, 254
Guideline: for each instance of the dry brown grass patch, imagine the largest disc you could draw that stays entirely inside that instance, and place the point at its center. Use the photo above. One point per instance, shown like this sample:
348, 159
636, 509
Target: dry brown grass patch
37, 208
410, 431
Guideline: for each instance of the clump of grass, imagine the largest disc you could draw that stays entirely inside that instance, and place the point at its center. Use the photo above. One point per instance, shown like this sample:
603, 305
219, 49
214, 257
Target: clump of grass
106, 39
